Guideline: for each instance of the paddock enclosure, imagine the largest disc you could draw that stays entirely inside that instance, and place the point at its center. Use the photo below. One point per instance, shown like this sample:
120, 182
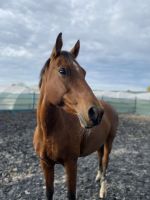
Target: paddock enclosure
21, 97
128, 171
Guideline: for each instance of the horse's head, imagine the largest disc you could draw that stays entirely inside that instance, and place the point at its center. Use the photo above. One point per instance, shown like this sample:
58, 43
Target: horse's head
65, 86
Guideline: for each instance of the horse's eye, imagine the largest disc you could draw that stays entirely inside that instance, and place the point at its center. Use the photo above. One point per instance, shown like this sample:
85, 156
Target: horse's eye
63, 71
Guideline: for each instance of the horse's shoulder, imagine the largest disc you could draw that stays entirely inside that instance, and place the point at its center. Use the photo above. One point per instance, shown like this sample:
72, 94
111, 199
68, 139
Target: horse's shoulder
37, 141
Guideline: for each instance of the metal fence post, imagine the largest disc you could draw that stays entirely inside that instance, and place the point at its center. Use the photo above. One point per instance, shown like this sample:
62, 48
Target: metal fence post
135, 106
33, 100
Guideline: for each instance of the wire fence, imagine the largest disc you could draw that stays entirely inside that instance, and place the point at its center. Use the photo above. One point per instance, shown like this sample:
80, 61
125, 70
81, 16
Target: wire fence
18, 102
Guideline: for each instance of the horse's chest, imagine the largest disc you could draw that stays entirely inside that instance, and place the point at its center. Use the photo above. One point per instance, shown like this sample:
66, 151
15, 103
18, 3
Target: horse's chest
54, 150
60, 149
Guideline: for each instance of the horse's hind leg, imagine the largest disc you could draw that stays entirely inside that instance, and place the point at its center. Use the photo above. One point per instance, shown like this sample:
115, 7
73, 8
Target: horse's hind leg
105, 160
100, 156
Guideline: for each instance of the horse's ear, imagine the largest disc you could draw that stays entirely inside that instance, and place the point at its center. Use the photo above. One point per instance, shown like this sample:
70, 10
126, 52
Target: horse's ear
75, 50
57, 47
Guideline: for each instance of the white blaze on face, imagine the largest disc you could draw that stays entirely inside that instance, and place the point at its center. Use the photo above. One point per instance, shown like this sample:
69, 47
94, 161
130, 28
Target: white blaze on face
76, 66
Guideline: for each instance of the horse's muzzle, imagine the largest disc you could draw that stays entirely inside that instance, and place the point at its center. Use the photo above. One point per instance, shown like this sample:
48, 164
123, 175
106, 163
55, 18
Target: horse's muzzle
95, 115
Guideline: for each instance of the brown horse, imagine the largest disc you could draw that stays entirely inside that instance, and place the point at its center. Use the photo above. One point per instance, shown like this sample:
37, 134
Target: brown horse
71, 122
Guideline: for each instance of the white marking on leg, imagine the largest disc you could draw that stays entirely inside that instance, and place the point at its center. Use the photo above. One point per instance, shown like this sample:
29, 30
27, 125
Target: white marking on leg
98, 176
103, 189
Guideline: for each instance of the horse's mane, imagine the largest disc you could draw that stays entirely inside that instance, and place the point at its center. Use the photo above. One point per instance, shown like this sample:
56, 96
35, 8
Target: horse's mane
45, 67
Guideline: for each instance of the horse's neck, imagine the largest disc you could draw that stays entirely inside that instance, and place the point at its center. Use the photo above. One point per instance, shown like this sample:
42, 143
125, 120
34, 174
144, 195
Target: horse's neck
47, 115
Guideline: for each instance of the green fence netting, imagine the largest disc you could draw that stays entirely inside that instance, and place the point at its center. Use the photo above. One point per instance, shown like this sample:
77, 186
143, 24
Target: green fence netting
28, 101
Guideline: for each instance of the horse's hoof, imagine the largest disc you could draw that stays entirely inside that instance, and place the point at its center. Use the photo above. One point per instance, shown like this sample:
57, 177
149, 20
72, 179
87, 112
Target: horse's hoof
103, 190
98, 176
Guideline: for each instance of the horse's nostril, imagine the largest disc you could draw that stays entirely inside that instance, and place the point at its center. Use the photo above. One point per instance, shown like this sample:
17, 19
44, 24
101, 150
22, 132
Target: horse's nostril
95, 115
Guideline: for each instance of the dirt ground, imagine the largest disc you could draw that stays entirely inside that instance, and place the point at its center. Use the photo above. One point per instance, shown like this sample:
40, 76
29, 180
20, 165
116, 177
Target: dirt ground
128, 173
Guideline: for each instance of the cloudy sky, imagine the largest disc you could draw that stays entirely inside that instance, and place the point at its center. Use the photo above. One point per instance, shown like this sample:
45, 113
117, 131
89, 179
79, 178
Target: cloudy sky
114, 36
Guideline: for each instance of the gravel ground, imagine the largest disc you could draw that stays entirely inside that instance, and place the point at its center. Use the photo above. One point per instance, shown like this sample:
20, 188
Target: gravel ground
128, 173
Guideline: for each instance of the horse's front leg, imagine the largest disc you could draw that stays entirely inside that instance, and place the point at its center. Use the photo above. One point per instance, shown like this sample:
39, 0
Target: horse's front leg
71, 175
48, 169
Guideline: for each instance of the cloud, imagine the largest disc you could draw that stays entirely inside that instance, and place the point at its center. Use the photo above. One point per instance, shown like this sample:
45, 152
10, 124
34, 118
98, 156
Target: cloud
114, 35
10, 52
